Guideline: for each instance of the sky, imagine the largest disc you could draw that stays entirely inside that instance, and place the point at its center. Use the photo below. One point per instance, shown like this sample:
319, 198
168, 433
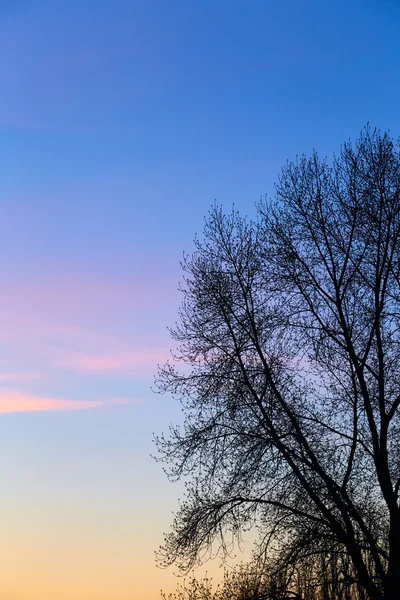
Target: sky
120, 124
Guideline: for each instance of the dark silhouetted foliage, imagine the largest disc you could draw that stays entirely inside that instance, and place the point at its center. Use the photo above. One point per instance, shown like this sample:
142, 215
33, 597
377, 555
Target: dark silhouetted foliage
288, 370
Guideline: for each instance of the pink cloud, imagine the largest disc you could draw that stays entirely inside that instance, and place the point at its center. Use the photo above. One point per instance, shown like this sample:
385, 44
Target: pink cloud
114, 363
90, 325
80, 314
19, 376
66, 296
12, 401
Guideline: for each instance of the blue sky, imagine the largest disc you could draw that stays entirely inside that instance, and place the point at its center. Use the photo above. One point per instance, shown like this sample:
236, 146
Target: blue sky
120, 124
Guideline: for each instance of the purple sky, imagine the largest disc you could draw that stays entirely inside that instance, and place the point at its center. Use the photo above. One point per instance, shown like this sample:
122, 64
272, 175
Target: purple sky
121, 123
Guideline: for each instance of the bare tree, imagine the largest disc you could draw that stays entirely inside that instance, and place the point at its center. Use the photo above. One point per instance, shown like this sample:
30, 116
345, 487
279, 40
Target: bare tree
288, 370
323, 574
193, 589
242, 583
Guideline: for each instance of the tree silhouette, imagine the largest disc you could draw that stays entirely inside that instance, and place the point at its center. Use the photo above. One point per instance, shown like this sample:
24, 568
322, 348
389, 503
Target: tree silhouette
288, 370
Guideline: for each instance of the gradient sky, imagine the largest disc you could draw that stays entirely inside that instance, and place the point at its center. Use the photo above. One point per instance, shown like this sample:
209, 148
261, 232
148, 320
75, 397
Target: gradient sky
121, 122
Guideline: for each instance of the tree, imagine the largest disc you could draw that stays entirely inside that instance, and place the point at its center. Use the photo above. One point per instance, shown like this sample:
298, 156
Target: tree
243, 583
288, 369
317, 576
194, 589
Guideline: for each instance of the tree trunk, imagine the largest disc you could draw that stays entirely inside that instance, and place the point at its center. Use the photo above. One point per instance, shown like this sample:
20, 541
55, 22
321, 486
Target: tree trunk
392, 581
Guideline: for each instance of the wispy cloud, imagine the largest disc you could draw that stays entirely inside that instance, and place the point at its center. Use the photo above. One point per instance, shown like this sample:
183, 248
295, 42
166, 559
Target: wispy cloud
63, 295
76, 312
69, 326
127, 362
19, 376
13, 401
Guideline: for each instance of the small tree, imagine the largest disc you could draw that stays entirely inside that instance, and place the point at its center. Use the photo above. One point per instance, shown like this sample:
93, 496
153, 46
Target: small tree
193, 589
289, 337
242, 583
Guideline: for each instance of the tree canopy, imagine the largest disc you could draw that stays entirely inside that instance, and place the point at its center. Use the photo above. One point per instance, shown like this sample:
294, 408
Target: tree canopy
288, 371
